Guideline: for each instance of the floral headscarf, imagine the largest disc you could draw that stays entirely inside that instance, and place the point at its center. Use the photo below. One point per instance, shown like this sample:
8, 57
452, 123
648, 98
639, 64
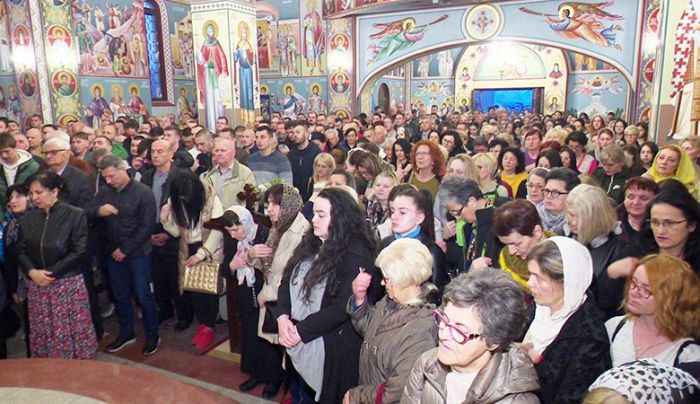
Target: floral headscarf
290, 206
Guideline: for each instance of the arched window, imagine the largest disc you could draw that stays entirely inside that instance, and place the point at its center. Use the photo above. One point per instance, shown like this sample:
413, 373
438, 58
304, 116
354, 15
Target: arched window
154, 41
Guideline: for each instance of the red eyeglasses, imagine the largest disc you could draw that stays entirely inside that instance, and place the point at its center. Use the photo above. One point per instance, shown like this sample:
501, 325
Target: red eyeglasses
456, 334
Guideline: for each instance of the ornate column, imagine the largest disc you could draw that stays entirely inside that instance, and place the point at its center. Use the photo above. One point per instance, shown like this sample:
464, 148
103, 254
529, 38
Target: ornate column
225, 52
341, 79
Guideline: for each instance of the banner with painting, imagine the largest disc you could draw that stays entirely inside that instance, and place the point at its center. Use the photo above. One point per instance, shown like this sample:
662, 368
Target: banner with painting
107, 99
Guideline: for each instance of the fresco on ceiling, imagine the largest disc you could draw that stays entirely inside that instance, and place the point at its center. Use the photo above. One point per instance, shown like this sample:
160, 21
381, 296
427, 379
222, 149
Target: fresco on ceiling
111, 38
512, 63
426, 93
440, 64
597, 93
583, 63
181, 39
587, 26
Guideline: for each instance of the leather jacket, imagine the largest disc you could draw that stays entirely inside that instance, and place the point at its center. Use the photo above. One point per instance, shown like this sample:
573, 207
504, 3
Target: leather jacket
56, 241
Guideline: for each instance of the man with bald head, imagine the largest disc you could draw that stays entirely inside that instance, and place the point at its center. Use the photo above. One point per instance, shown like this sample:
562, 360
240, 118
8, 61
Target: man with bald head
36, 139
246, 140
164, 269
228, 176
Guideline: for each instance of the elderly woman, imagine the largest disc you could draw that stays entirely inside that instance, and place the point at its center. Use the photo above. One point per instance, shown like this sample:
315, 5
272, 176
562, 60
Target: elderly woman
592, 221
51, 252
311, 310
518, 227
567, 339
483, 314
288, 228
259, 358
458, 166
673, 162
400, 327
632, 212
661, 303
428, 164
612, 172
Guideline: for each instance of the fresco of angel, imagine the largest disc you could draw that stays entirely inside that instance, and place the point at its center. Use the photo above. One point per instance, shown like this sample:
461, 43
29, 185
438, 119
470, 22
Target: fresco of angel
576, 20
397, 35
598, 85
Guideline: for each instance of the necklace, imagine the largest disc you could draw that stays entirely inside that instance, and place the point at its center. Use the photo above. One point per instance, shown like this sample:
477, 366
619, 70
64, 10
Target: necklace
642, 350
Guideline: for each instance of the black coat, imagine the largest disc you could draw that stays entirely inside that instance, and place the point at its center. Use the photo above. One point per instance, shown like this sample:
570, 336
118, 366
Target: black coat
440, 274
576, 357
608, 292
78, 188
147, 180
332, 323
56, 242
486, 244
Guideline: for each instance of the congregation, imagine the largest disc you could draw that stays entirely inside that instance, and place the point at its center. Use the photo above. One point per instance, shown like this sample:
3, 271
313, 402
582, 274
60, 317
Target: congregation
412, 255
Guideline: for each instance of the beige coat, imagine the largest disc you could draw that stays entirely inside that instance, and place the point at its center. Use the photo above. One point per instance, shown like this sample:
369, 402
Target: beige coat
509, 377
287, 244
394, 338
233, 185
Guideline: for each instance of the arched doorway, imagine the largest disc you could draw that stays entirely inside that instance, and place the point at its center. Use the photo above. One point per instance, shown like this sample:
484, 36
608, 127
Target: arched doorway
383, 97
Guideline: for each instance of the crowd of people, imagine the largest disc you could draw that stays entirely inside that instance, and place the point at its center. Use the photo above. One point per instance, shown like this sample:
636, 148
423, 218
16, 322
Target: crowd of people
409, 256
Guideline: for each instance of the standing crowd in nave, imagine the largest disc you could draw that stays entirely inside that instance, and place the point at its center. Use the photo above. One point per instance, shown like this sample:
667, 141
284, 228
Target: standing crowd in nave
413, 256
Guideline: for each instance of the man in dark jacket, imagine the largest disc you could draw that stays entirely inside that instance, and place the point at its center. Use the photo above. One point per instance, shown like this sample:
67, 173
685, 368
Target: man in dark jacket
78, 188
127, 209
165, 248
183, 158
301, 156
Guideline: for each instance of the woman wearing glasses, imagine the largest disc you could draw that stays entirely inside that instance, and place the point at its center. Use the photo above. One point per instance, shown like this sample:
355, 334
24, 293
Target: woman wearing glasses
566, 341
674, 216
428, 164
535, 184
400, 327
474, 362
662, 317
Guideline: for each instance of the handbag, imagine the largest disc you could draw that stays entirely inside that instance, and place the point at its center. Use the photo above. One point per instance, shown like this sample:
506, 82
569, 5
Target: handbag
205, 277
269, 325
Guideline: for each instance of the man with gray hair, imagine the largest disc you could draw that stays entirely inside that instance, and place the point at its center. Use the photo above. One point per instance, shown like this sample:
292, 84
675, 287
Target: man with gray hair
228, 176
126, 210
483, 315
462, 199
78, 186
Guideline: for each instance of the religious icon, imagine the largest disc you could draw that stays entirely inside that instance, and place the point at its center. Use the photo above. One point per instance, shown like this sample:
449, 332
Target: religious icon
396, 36
340, 82
340, 43
244, 57
316, 102
314, 37
293, 103
5, 54
64, 83
136, 109
183, 105
555, 73
116, 102
97, 107
59, 38
212, 68
27, 83
20, 35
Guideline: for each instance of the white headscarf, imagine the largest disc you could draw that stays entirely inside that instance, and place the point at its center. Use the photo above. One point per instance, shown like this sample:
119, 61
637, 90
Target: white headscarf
578, 275
246, 274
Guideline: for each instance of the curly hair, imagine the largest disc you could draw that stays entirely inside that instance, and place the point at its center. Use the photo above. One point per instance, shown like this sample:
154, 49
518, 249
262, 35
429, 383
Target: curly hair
676, 289
435, 154
348, 223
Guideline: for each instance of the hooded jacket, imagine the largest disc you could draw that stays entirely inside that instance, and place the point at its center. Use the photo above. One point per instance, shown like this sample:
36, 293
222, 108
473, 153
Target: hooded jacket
395, 337
509, 377
21, 169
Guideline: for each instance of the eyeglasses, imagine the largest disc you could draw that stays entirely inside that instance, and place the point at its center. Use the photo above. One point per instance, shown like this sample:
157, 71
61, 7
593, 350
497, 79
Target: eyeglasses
54, 152
644, 292
668, 224
456, 334
456, 212
422, 153
553, 192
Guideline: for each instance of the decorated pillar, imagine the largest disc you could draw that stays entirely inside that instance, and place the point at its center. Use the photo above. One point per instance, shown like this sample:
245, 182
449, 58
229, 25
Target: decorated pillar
23, 96
226, 61
59, 76
341, 82
647, 60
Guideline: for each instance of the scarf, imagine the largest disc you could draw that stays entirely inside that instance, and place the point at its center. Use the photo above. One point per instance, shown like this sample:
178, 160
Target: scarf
650, 381
246, 274
551, 221
290, 206
414, 234
685, 173
578, 275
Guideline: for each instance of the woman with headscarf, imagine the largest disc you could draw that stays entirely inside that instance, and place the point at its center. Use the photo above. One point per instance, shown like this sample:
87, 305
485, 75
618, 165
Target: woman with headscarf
673, 162
567, 340
259, 358
288, 227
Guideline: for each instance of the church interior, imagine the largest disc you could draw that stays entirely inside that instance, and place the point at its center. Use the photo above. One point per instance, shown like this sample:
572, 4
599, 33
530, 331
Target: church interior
86, 61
